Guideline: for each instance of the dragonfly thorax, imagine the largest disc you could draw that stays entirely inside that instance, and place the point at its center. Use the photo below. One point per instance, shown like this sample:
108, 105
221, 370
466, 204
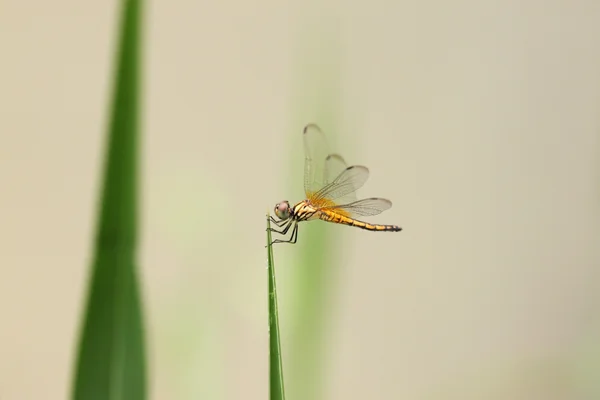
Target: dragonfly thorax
283, 210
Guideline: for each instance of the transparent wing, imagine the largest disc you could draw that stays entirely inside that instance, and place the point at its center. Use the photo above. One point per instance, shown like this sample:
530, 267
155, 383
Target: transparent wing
351, 179
334, 166
316, 150
327, 176
364, 208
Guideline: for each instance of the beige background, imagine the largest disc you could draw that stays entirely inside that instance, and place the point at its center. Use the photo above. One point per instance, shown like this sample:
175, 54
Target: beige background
479, 119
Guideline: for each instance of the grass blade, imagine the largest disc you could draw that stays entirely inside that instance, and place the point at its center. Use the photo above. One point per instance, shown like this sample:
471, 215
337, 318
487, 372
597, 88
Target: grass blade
276, 389
111, 361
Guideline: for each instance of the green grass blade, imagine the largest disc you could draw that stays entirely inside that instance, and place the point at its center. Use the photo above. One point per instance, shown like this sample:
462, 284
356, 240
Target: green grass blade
275, 364
111, 361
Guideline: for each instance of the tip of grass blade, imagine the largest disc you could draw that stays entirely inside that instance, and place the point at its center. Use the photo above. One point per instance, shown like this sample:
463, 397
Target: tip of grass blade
276, 391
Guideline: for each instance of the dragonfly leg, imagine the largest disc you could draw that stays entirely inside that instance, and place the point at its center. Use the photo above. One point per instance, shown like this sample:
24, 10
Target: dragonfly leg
279, 223
284, 231
295, 234
293, 237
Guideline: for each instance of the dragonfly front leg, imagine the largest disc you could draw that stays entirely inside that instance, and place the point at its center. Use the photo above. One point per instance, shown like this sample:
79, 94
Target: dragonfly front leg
284, 231
279, 223
293, 237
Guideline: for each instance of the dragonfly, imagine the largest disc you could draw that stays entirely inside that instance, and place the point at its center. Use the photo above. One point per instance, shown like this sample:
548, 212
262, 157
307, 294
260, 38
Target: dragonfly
330, 186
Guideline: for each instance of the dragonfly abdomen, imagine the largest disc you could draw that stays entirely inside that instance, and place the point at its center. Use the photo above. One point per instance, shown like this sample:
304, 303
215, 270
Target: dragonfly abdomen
342, 219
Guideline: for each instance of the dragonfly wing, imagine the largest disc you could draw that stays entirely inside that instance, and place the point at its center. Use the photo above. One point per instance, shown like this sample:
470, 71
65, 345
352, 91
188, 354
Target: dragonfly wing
316, 150
350, 180
334, 166
364, 208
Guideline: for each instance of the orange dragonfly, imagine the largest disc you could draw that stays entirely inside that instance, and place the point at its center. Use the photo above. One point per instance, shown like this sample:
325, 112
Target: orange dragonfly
330, 187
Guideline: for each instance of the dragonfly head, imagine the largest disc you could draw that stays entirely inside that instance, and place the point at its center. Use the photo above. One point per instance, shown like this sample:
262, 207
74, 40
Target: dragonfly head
283, 210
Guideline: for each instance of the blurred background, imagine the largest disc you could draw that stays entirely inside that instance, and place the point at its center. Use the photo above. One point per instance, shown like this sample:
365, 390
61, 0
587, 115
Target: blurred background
479, 120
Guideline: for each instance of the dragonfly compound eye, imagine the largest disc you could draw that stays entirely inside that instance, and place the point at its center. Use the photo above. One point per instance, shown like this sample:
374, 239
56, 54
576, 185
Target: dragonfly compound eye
282, 210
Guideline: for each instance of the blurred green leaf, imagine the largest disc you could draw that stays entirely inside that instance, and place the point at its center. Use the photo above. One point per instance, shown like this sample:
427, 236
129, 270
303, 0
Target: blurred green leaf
276, 389
111, 360
318, 93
